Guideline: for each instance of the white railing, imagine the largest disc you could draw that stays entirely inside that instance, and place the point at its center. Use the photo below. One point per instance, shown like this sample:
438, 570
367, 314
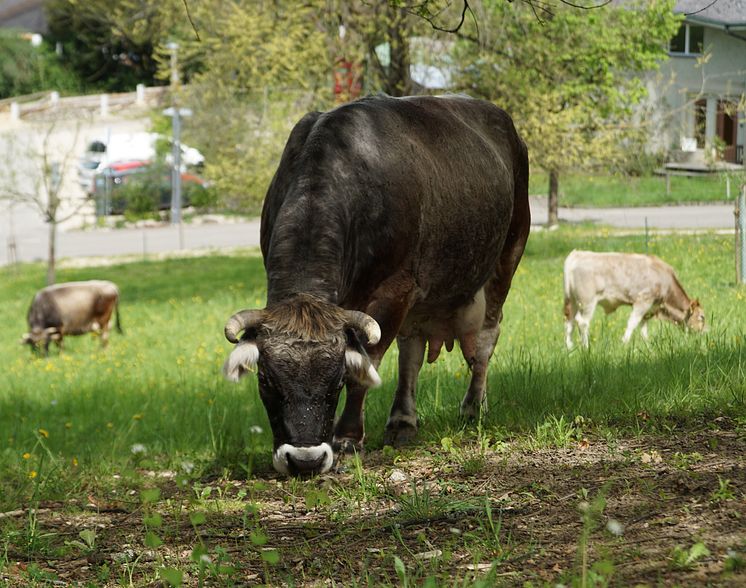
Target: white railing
31, 105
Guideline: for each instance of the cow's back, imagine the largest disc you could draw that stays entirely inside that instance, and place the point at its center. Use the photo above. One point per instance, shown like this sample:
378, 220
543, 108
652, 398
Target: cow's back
74, 306
423, 185
620, 278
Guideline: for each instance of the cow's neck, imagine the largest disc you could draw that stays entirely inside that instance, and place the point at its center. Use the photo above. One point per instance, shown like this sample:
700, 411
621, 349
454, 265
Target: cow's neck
677, 303
306, 252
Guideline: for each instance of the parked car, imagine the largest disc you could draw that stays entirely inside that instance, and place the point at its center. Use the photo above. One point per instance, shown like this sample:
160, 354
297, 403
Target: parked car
140, 186
117, 148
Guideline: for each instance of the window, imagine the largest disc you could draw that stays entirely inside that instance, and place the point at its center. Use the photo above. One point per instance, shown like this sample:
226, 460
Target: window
689, 40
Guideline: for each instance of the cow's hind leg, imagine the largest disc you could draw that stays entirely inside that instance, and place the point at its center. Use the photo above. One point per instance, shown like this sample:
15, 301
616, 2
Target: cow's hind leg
570, 311
496, 291
583, 318
401, 427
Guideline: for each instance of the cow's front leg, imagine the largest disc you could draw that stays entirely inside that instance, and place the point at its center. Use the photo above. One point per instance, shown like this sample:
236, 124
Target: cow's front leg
349, 432
636, 316
401, 427
390, 305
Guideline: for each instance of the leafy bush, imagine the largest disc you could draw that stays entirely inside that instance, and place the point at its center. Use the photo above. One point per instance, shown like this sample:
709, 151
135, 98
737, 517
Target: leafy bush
140, 198
25, 69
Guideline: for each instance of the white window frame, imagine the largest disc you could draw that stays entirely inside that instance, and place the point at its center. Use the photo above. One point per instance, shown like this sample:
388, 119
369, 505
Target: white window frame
687, 43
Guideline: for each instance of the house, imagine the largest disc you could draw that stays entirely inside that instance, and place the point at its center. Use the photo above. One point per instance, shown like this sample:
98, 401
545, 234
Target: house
697, 97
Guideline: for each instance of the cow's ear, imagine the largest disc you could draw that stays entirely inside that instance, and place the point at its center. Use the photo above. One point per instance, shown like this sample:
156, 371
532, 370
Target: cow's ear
695, 303
360, 369
241, 361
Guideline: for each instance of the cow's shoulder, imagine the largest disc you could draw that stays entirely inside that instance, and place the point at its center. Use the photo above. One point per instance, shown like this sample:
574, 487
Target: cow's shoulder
44, 311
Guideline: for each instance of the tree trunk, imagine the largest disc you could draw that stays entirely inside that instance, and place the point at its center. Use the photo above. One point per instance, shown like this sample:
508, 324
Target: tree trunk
553, 202
51, 257
397, 80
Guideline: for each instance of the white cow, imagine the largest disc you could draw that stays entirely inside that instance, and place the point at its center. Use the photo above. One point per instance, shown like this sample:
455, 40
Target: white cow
644, 282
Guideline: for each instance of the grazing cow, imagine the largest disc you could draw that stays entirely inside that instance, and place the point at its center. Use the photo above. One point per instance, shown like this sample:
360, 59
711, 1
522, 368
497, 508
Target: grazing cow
71, 308
644, 282
388, 218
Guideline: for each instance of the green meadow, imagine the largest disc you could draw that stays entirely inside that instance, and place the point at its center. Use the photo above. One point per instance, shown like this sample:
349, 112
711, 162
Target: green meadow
604, 190
91, 422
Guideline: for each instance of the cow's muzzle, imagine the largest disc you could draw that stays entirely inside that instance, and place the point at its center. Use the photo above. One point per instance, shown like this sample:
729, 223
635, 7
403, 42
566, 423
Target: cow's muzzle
303, 461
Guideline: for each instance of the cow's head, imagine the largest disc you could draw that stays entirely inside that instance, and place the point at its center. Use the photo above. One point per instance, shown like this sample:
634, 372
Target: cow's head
37, 337
695, 316
303, 350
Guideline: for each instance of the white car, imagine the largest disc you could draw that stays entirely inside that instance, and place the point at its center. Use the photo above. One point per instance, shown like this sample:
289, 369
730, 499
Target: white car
116, 148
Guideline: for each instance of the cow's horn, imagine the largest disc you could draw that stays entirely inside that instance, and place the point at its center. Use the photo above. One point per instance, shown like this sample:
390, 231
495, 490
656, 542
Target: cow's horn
366, 324
241, 321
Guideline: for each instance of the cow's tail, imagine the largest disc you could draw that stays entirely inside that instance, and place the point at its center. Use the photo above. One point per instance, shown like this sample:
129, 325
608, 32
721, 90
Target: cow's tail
118, 323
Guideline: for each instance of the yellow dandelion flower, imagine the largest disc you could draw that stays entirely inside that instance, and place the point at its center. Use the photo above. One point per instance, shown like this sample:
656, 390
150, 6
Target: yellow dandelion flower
75, 462
109, 425
32, 474
137, 417
68, 425
44, 433
26, 455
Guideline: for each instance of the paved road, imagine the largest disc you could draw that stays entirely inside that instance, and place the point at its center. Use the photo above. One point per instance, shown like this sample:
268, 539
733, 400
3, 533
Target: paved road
32, 243
711, 216
32, 246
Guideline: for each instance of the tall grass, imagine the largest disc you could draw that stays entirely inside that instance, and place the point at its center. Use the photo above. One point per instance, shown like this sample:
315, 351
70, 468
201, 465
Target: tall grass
159, 385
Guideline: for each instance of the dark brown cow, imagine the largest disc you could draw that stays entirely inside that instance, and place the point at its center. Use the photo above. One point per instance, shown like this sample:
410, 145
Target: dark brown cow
388, 218
71, 308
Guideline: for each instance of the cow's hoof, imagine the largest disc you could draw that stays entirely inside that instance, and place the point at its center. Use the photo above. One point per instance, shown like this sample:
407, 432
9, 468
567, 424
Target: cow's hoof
471, 411
347, 446
399, 434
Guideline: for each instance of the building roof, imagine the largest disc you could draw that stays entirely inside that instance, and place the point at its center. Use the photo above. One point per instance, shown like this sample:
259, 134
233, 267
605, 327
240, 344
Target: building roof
25, 15
719, 13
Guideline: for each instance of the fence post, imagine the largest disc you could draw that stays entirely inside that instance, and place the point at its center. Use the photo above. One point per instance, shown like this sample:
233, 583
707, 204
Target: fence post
104, 105
140, 95
15, 111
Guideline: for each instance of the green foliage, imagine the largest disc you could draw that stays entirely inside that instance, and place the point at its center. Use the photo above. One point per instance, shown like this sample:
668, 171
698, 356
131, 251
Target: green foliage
685, 559
569, 80
25, 69
110, 43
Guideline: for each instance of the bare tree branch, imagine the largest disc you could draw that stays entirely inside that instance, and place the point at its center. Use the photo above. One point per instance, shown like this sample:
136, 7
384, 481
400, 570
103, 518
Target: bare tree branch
191, 22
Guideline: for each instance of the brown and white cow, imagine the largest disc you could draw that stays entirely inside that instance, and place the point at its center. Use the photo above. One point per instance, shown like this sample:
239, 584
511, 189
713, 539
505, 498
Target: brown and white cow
611, 280
71, 308
388, 219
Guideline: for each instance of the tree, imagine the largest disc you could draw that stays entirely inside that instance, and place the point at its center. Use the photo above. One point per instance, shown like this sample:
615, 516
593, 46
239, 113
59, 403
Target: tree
110, 43
569, 79
40, 185
25, 68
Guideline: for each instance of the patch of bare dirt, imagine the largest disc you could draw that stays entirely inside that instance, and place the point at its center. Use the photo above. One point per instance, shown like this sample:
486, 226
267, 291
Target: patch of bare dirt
445, 514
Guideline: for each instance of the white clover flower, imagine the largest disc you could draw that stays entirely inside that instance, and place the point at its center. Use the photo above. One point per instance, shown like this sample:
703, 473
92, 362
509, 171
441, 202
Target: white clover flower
187, 466
255, 430
614, 527
53, 402
205, 559
138, 449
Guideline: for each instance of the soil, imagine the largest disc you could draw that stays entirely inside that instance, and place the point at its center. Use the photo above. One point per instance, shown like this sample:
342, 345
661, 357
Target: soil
648, 503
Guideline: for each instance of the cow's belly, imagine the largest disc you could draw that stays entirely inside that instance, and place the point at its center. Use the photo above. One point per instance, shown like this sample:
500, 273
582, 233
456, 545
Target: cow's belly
442, 326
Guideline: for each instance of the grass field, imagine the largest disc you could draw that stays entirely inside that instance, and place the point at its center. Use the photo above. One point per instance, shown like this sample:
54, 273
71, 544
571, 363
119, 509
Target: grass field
122, 466
588, 190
